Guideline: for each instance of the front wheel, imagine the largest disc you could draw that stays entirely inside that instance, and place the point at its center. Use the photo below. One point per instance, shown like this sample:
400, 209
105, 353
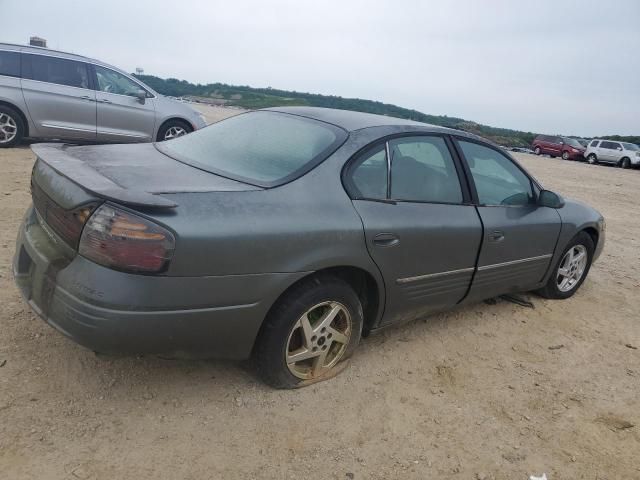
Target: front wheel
592, 159
310, 331
565, 155
572, 268
625, 163
173, 129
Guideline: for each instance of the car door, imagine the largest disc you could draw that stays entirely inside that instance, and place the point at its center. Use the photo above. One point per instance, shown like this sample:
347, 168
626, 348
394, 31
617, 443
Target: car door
59, 97
419, 226
519, 236
121, 116
607, 152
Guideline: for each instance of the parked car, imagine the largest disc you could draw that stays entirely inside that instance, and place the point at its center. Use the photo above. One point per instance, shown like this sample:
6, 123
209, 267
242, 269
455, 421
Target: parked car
286, 234
555, 146
46, 94
622, 154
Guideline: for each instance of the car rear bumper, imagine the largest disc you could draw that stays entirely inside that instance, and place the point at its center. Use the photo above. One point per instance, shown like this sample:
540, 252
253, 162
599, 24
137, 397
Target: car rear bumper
115, 312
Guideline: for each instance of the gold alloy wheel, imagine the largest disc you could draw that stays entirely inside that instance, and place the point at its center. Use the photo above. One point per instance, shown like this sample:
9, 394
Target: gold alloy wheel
318, 340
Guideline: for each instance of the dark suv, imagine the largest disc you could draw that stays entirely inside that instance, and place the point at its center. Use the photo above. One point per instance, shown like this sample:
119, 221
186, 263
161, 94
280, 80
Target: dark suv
555, 146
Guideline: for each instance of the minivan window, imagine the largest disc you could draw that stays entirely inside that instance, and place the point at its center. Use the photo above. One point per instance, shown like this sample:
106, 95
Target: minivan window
573, 142
261, 148
10, 63
58, 70
498, 180
110, 81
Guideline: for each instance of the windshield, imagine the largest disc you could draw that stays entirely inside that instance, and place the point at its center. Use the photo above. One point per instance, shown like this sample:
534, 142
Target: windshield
573, 142
631, 146
261, 148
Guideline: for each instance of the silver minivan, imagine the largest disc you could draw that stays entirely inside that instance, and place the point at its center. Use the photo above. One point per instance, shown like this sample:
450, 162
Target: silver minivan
623, 154
46, 94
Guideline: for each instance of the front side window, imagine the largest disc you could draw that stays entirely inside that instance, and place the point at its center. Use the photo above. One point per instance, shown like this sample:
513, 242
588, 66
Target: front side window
631, 146
422, 170
110, 81
59, 70
261, 148
10, 64
498, 180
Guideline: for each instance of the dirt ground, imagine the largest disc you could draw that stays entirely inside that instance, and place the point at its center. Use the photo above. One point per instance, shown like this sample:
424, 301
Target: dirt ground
483, 392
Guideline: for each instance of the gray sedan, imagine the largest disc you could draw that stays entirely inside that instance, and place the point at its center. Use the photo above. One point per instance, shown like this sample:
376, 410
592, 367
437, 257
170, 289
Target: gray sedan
287, 234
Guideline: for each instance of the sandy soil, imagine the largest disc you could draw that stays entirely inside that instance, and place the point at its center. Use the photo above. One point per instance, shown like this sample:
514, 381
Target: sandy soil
488, 391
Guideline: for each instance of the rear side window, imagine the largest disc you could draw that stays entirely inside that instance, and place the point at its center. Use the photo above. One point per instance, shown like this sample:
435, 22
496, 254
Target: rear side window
610, 145
58, 70
260, 148
369, 174
594, 143
422, 170
498, 180
10, 64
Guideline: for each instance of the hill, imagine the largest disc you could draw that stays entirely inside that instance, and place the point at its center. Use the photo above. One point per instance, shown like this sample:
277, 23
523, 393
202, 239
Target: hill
253, 98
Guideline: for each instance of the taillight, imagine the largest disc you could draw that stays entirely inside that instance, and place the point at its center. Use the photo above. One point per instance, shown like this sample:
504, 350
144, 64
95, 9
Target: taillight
124, 241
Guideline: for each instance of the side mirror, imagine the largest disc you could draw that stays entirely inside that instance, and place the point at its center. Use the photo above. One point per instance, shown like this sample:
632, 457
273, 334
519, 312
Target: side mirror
141, 95
550, 199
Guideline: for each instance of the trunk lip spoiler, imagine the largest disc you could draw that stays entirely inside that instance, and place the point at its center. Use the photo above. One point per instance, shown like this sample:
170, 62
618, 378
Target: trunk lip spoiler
77, 171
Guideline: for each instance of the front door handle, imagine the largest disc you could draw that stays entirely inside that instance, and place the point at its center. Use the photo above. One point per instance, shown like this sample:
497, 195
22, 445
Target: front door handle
86, 97
385, 240
496, 236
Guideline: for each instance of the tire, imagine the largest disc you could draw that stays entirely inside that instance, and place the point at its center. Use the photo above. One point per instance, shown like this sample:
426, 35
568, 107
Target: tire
282, 334
537, 151
625, 163
12, 127
565, 155
172, 129
555, 287
592, 159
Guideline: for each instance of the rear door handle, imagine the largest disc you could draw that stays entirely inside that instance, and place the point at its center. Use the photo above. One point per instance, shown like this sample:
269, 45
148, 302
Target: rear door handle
104, 100
496, 236
385, 240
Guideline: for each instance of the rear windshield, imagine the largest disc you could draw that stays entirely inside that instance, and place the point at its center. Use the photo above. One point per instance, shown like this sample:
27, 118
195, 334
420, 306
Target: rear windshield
261, 148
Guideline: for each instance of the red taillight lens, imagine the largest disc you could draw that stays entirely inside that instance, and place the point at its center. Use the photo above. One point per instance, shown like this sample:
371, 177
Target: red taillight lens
124, 241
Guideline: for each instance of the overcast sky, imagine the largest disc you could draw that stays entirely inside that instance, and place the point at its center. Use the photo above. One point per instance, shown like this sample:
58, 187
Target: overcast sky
570, 67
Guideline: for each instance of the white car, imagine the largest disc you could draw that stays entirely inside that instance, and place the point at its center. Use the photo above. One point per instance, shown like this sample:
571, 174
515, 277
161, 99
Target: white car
622, 154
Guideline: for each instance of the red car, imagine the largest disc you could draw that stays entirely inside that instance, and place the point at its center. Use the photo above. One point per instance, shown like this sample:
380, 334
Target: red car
565, 147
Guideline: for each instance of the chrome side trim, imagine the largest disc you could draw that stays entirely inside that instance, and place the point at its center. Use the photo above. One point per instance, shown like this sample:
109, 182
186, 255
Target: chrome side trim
513, 262
433, 275
123, 134
49, 125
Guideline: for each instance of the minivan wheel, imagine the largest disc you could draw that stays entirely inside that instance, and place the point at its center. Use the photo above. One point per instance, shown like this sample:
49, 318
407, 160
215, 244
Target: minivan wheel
565, 155
625, 163
310, 331
571, 270
592, 159
11, 127
537, 151
173, 129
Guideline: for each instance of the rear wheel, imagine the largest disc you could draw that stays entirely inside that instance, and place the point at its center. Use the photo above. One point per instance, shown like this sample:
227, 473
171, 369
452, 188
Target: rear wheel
172, 129
572, 268
312, 329
537, 151
592, 159
625, 163
11, 127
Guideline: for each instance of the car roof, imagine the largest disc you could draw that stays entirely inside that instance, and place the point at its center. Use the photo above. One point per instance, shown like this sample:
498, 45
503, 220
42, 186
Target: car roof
350, 120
